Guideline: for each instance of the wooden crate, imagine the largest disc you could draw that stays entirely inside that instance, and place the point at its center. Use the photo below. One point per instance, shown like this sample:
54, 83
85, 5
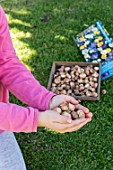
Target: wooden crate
57, 65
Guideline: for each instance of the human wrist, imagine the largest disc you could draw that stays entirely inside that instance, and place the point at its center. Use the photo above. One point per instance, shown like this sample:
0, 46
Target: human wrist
51, 103
40, 119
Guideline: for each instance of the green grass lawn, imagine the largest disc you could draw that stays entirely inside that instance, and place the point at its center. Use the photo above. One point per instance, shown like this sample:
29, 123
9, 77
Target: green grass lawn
42, 33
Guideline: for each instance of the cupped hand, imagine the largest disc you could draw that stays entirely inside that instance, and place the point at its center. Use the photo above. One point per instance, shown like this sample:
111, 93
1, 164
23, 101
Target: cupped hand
64, 99
53, 120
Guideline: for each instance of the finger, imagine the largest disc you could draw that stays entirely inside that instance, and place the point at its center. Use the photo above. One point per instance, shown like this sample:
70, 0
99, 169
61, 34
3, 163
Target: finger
75, 128
80, 107
89, 115
64, 126
89, 119
61, 119
76, 124
71, 100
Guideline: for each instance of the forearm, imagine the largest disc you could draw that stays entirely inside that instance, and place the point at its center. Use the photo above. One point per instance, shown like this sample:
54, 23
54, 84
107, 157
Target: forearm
23, 85
15, 76
15, 118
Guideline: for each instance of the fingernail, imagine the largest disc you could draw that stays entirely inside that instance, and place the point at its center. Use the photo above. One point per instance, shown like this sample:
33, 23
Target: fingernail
69, 120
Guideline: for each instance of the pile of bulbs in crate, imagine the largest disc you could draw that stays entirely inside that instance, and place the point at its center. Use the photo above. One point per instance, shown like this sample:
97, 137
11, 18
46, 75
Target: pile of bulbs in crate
76, 80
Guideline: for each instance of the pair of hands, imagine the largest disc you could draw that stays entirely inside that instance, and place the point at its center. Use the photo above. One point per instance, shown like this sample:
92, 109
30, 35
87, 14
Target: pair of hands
55, 121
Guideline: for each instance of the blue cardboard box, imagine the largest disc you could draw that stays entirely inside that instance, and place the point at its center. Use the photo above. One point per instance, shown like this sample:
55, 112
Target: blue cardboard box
96, 45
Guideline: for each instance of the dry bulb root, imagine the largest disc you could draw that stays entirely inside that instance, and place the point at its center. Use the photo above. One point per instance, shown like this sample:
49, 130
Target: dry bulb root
70, 111
76, 81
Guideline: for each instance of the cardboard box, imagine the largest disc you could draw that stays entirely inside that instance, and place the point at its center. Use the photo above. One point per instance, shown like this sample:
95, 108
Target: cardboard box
96, 45
57, 65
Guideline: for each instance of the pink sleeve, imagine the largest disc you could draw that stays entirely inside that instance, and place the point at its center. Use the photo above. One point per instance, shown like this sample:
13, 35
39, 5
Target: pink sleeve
15, 118
15, 76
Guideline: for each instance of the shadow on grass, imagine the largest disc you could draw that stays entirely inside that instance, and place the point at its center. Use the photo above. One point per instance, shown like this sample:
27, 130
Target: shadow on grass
48, 39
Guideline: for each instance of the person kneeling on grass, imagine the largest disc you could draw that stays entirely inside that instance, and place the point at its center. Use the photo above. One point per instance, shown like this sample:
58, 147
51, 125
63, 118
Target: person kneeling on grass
16, 78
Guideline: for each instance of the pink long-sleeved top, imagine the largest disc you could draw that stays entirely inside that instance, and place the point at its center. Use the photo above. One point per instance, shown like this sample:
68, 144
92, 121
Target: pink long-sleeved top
16, 78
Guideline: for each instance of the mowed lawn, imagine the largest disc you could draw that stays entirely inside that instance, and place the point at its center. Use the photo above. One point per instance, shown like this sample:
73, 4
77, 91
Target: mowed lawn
42, 32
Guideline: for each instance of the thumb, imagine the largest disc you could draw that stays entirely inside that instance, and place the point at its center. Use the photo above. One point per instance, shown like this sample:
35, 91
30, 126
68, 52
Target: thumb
71, 99
62, 119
